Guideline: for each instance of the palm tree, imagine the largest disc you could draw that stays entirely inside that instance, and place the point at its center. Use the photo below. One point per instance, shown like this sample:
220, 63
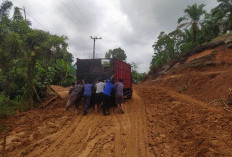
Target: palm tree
224, 14
192, 17
210, 27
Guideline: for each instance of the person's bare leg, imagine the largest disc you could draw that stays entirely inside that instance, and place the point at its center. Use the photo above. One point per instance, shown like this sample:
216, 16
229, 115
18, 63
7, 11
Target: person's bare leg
96, 108
118, 108
67, 105
122, 110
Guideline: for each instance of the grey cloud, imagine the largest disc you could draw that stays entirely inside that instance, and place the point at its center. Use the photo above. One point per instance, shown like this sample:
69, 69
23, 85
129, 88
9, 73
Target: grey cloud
132, 25
148, 18
156, 14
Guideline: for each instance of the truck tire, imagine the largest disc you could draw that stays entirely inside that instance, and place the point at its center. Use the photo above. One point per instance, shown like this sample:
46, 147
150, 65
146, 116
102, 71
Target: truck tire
129, 96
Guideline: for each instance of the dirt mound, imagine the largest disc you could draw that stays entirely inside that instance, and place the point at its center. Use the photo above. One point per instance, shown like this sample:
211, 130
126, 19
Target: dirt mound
182, 121
60, 91
58, 88
33, 125
206, 76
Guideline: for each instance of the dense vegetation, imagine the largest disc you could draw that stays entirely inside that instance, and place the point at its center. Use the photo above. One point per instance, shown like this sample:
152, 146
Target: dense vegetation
196, 27
136, 76
30, 61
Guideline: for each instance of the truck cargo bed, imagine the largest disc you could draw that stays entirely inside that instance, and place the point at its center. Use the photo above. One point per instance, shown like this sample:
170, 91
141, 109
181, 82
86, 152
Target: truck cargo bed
92, 70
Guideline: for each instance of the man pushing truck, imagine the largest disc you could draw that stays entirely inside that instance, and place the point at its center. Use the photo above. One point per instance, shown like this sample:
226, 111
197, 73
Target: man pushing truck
101, 69
75, 95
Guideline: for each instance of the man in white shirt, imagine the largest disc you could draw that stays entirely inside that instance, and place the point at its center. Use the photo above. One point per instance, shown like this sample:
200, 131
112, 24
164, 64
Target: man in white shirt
99, 94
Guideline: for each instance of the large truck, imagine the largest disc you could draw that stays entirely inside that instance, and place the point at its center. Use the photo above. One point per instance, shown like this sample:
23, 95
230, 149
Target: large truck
92, 70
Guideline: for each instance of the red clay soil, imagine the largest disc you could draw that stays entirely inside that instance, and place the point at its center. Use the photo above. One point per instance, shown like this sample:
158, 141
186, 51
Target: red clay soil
157, 122
173, 120
201, 81
178, 125
52, 131
199, 55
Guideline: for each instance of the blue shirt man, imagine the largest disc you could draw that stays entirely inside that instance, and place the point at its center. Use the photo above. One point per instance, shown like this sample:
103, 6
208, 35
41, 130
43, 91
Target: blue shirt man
88, 89
87, 95
106, 96
108, 88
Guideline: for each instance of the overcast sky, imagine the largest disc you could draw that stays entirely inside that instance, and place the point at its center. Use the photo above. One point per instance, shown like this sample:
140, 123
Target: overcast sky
132, 25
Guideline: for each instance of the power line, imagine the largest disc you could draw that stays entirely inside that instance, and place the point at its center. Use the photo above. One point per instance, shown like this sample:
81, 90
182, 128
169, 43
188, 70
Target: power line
37, 22
78, 8
27, 12
72, 14
88, 25
80, 19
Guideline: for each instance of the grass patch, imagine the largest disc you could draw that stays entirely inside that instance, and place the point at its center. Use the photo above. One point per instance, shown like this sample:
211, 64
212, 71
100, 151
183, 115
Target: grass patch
11, 109
225, 37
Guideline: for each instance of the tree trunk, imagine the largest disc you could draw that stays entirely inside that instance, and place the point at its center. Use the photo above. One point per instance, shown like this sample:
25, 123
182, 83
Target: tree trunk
194, 34
30, 74
230, 18
5, 90
30, 88
36, 93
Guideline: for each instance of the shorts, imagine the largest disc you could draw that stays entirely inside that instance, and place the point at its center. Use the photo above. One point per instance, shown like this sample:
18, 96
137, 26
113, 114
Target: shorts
98, 98
74, 99
118, 99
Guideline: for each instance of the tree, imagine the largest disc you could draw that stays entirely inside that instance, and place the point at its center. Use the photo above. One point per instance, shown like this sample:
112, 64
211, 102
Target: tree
4, 9
169, 46
134, 66
9, 50
223, 12
64, 73
134, 72
136, 76
30, 60
192, 17
210, 28
118, 53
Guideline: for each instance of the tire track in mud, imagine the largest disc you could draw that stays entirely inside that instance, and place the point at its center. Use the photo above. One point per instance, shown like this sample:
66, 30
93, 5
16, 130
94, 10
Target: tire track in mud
119, 145
73, 140
138, 130
116, 135
51, 142
131, 134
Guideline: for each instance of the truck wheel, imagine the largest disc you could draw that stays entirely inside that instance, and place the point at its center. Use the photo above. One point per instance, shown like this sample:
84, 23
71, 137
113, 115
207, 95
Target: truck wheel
130, 94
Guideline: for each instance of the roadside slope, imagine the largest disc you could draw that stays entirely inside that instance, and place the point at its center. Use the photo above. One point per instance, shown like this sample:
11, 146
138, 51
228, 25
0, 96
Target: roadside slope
179, 125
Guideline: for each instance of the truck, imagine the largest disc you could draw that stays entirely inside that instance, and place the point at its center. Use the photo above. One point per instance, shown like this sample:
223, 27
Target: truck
92, 70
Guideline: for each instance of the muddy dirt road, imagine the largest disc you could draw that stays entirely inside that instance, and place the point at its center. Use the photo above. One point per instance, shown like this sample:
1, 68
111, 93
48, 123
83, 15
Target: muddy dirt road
157, 122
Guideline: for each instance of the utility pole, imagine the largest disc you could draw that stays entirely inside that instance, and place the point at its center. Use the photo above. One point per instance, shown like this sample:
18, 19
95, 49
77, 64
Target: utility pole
0, 15
94, 39
24, 11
